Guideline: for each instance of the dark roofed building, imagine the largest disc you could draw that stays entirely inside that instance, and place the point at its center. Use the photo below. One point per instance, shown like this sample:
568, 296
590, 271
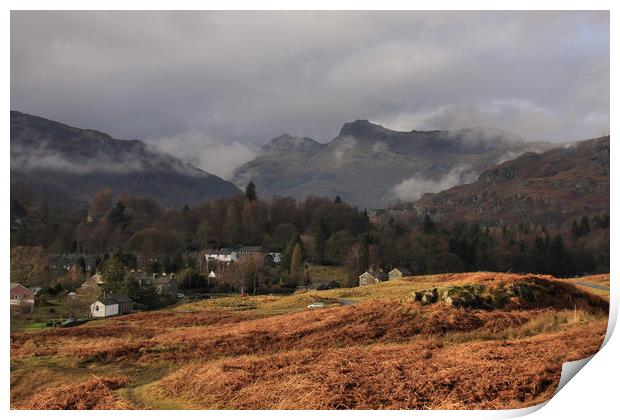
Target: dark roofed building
250, 250
323, 285
165, 284
399, 272
141, 277
125, 304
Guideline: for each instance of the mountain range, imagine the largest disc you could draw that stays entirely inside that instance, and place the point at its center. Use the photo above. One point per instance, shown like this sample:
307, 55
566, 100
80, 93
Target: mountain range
371, 166
70, 164
472, 174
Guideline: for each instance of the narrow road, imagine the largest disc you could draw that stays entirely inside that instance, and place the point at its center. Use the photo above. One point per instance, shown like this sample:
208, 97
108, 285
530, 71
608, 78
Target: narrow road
592, 285
347, 301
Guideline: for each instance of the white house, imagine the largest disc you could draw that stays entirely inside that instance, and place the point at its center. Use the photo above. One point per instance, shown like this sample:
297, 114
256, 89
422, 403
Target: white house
276, 256
104, 308
223, 255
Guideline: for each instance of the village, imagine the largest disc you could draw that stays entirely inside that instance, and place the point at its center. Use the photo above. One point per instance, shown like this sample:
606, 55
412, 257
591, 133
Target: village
96, 299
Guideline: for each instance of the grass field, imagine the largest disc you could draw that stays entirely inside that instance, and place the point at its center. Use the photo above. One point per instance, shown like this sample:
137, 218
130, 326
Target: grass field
370, 347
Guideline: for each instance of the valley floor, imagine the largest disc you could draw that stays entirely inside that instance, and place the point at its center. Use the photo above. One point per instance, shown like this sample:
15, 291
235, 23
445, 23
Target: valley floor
371, 347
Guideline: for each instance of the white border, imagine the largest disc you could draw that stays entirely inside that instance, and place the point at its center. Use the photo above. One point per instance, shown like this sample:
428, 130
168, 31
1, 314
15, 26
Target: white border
593, 395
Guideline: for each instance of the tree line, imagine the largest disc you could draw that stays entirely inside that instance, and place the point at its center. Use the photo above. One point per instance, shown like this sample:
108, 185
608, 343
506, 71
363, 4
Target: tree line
317, 230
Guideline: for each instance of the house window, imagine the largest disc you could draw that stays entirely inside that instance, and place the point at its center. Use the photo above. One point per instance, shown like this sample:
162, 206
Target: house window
97, 308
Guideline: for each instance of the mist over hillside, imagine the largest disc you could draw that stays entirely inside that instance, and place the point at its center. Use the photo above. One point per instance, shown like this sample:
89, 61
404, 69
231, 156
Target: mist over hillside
372, 166
70, 164
547, 188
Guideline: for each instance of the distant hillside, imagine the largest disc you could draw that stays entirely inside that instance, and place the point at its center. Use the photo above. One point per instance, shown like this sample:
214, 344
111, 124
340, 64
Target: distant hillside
548, 188
70, 164
371, 166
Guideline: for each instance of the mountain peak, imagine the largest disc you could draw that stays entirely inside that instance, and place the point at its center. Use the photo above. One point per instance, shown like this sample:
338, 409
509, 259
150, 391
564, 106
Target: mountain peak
287, 143
359, 128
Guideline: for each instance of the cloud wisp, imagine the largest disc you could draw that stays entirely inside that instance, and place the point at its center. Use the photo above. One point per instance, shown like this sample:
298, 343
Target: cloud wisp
411, 189
221, 158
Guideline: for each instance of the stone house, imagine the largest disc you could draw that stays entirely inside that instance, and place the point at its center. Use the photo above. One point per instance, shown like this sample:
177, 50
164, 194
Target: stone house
373, 275
165, 285
399, 272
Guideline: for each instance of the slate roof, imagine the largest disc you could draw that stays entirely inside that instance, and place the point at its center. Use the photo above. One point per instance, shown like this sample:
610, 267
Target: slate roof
108, 301
379, 275
119, 298
321, 285
403, 271
250, 249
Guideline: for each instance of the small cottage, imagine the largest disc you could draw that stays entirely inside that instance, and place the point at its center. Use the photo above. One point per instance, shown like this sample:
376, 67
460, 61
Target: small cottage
372, 276
104, 308
399, 272
114, 304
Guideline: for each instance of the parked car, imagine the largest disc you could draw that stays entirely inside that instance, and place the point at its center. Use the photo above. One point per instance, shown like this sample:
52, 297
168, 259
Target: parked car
68, 322
316, 305
180, 295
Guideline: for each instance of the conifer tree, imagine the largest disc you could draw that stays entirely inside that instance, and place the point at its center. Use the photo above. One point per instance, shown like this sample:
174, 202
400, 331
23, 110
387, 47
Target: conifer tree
113, 274
250, 192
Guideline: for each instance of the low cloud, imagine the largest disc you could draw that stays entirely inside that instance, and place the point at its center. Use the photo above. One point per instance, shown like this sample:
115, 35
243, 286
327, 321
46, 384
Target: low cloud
344, 145
411, 189
41, 160
134, 158
206, 153
379, 147
508, 119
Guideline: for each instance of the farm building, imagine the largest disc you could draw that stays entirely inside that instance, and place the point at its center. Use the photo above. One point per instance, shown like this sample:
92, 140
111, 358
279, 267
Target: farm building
104, 308
115, 304
372, 276
398, 273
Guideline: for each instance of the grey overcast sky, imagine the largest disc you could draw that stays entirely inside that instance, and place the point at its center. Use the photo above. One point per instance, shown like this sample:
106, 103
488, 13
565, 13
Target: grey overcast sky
210, 87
